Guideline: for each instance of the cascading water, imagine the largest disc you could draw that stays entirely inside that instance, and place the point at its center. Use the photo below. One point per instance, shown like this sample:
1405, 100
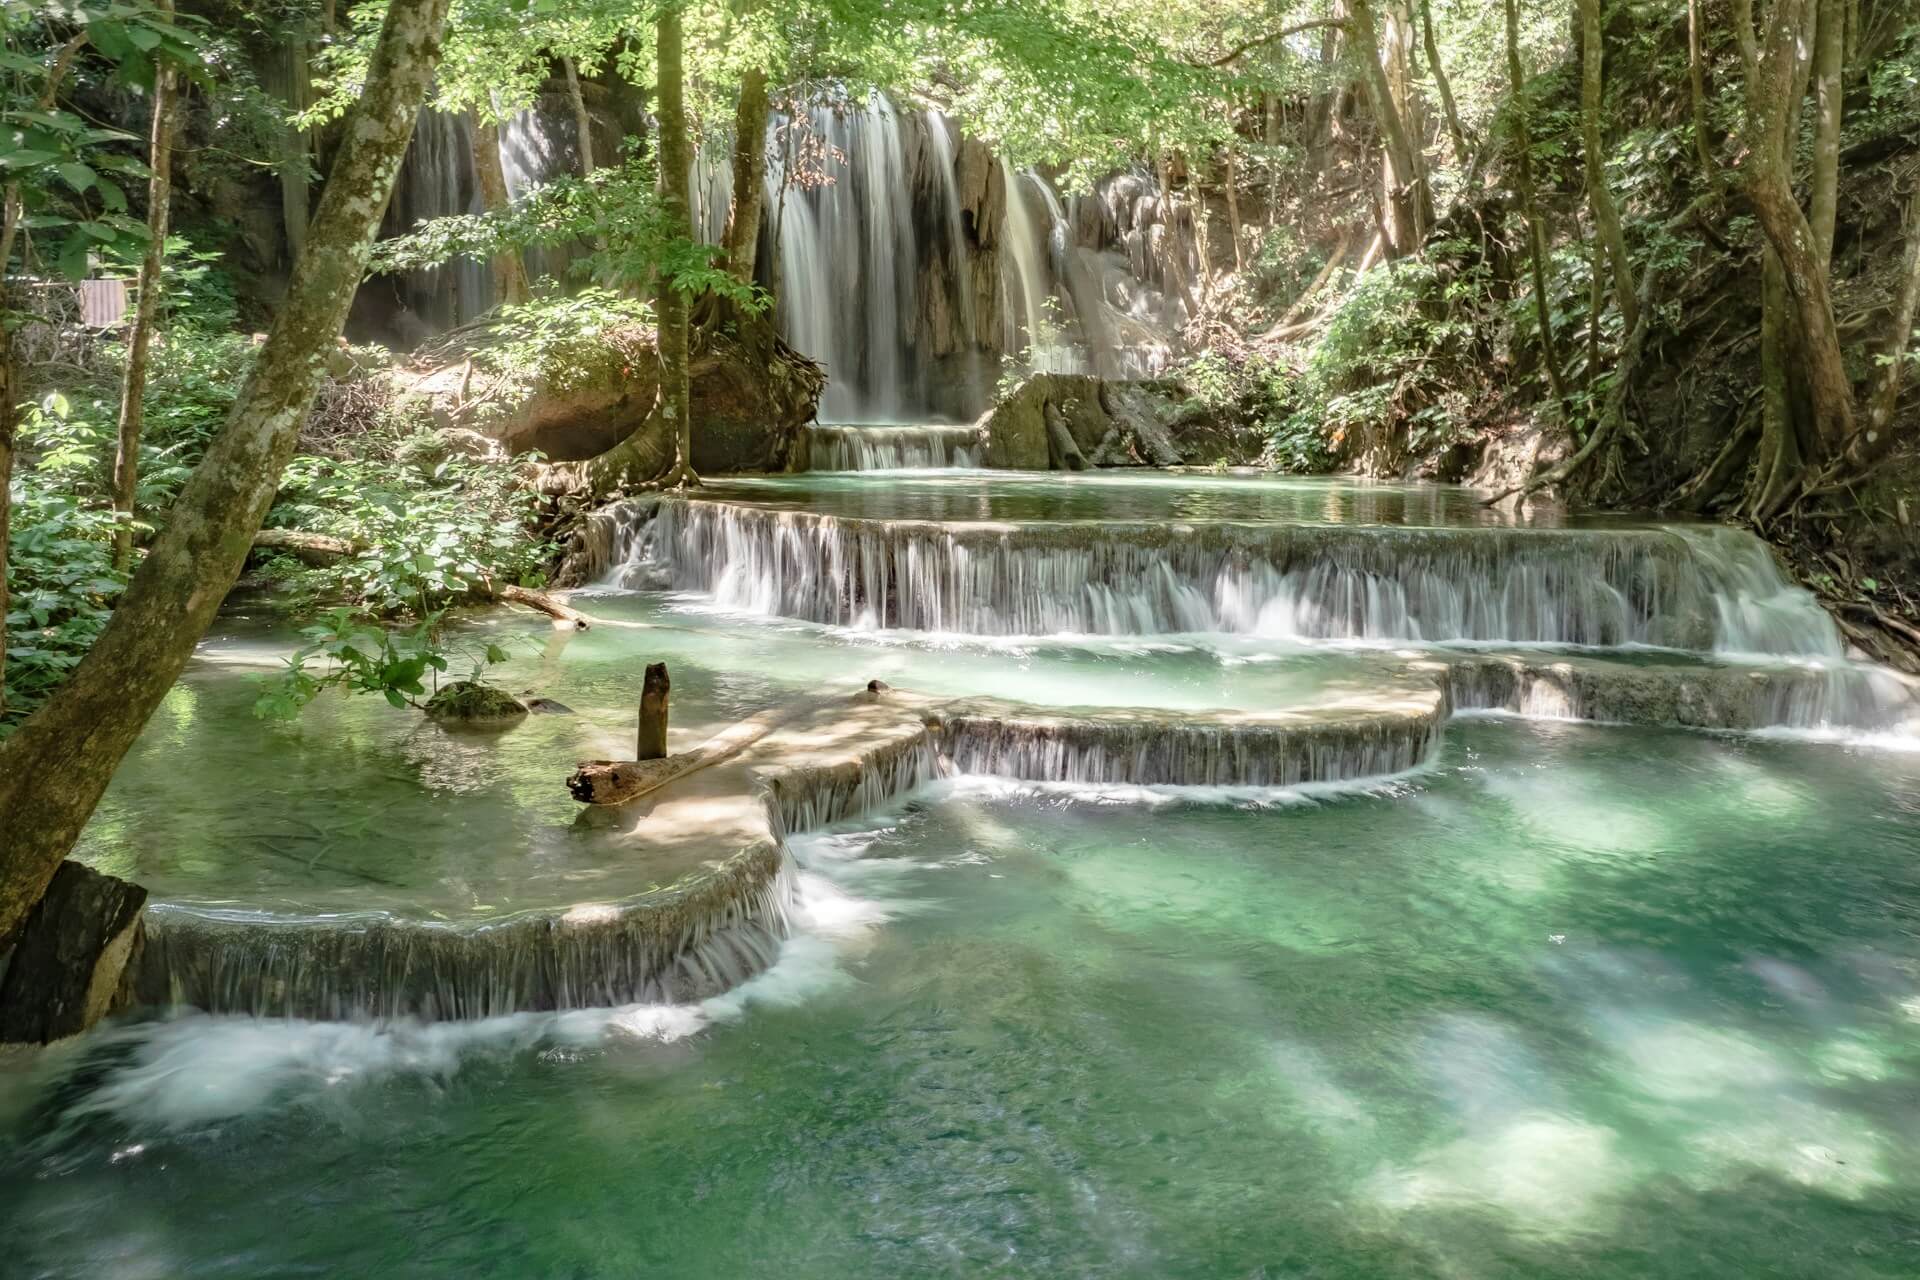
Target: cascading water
902, 448
1709, 590
1040, 337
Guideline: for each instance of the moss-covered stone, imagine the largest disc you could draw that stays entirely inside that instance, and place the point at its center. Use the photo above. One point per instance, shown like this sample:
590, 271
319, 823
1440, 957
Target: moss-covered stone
473, 704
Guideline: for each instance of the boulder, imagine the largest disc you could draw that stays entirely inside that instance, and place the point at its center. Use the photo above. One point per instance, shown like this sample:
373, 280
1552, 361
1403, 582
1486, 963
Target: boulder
1062, 421
474, 704
72, 957
752, 397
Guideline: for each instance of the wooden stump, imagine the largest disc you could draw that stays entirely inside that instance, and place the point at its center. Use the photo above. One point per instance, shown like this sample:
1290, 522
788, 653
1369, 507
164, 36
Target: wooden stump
653, 713
70, 956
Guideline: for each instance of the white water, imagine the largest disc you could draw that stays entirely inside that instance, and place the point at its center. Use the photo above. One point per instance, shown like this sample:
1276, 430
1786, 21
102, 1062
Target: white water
895, 448
1713, 590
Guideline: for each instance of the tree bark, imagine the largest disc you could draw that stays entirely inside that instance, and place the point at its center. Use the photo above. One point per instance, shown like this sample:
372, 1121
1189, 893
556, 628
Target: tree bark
670, 306
650, 743
741, 243
1536, 235
1772, 66
55, 767
1697, 94
1829, 47
133, 382
509, 272
1409, 204
1606, 217
1440, 82
1886, 388
582, 118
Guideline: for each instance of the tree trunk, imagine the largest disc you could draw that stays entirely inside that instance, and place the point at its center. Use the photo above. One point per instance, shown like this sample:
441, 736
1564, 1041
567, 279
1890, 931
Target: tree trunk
650, 743
509, 272
1776, 476
55, 767
1606, 217
1829, 46
1409, 205
1230, 181
742, 239
1886, 388
1773, 74
582, 118
1697, 94
1536, 235
1440, 82
676, 162
133, 382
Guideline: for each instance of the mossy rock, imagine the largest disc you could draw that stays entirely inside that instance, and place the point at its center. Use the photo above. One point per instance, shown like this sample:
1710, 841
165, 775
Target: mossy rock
473, 704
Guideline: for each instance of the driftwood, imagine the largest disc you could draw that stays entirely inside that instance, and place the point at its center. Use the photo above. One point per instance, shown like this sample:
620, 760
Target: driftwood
618, 781
562, 614
652, 740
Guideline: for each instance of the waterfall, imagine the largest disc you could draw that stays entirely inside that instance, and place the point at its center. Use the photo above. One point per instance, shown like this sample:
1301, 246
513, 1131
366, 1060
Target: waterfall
901, 448
1046, 350
1819, 698
945, 166
435, 181
848, 257
1707, 590
1153, 752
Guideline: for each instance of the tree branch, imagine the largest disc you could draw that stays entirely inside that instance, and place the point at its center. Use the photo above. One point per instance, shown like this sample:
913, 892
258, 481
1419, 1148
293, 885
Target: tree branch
1248, 46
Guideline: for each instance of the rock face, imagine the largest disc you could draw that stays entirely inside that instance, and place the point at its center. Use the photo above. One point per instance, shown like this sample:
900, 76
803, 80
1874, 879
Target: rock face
69, 962
1066, 421
752, 395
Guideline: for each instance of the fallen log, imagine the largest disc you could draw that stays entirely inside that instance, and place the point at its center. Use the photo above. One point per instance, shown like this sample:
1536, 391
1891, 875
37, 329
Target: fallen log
618, 781
310, 548
564, 615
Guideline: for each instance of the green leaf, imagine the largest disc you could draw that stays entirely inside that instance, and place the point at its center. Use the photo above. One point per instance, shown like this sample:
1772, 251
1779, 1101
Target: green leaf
76, 175
72, 262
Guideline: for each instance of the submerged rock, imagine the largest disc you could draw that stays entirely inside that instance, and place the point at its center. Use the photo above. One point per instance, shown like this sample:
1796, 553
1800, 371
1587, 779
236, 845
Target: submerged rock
474, 704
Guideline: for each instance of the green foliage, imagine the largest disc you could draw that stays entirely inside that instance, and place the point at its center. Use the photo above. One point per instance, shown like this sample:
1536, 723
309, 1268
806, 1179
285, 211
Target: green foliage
617, 209
360, 656
1380, 362
1284, 263
431, 531
68, 175
61, 587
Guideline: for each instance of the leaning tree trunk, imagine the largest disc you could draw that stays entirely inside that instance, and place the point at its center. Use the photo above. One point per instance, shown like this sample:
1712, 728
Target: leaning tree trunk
509, 272
54, 769
1886, 388
1606, 217
741, 241
1445, 87
1823, 195
1697, 95
1410, 207
670, 308
582, 118
1536, 234
133, 383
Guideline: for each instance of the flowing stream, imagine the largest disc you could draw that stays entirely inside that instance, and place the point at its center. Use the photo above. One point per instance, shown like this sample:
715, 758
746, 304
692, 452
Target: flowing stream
1122, 972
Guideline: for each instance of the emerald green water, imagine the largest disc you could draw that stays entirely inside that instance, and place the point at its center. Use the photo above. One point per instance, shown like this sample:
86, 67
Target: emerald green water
1578, 1002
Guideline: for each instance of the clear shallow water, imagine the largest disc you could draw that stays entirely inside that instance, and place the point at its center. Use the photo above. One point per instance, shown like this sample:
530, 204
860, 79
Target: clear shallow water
1124, 496
1580, 1001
